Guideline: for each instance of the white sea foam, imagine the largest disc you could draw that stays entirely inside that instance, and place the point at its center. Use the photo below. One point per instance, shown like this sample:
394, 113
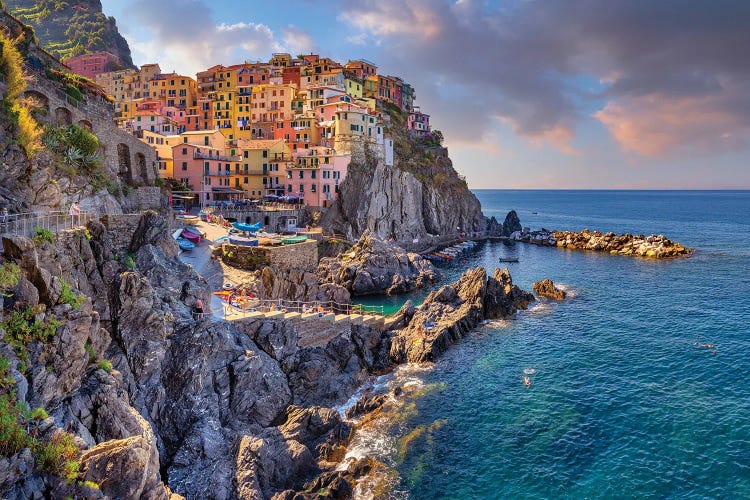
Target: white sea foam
529, 371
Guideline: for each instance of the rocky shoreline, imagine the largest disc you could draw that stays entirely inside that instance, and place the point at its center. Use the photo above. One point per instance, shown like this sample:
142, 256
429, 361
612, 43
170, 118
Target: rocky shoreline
651, 246
197, 407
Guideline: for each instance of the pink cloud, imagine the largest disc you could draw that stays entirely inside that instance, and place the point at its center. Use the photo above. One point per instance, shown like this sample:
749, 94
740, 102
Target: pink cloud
655, 124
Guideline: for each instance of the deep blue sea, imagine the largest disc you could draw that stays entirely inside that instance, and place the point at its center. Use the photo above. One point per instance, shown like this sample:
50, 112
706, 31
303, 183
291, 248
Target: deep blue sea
624, 401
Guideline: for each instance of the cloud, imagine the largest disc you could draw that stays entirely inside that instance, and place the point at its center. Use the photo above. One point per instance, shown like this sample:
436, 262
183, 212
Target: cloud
184, 37
667, 77
297, 41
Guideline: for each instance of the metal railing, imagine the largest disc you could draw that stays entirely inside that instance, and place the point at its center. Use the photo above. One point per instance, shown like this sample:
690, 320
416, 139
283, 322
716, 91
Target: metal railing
25, 224
319, 308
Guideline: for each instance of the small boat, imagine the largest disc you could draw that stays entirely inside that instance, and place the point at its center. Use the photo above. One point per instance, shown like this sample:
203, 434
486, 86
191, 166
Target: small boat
242, 241
247, 228
508, 259
291, 240
194, 230
193, 238
220, 240
185, 245
188, 219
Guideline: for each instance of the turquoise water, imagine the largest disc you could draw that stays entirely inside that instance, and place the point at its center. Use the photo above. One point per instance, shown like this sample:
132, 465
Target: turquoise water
622, 402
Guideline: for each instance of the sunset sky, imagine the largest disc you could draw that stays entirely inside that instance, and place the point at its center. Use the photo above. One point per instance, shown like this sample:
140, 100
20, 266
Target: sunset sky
529, 94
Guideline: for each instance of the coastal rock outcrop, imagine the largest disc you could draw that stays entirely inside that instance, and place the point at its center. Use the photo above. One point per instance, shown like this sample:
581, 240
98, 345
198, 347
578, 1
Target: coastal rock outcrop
293, 284
449, 313
373, 266
201, 404
653, 246
547, 288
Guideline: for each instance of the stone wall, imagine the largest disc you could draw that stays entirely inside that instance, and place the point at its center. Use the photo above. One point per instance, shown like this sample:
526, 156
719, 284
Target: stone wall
298, 256
144, 198
121, 228
270, 220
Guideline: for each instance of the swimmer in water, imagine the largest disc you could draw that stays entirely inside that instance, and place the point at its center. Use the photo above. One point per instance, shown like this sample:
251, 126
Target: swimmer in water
527, 381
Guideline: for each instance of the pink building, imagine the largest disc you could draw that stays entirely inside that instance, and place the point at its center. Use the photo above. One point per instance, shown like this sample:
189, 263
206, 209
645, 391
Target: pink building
316, 175
418, 122
90, 65
208, 172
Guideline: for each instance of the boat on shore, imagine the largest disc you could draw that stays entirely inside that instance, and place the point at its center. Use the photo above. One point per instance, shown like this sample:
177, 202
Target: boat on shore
185, 245
450, 253
188, 219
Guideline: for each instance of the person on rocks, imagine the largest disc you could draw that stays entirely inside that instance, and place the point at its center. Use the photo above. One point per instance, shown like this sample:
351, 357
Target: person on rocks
199, 309
75, 213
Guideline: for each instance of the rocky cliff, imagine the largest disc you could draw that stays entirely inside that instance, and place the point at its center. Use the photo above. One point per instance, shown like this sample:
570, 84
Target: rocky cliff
68, 29
373, 266
99, 334
420, 197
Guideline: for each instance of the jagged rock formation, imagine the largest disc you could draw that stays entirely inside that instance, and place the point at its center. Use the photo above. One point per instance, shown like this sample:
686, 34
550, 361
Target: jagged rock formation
69, 29
449, 313
293, 284
547, 288
373, 266
421, 197
200, 406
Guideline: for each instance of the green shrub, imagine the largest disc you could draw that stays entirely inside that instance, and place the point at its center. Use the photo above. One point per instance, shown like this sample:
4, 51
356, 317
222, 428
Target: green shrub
129, 261
105, 365
10, 275
73, 92
68, 296
82, 139
13, 435
6, 379
43, 234
58, 455
39, 414
23, 327
90, 351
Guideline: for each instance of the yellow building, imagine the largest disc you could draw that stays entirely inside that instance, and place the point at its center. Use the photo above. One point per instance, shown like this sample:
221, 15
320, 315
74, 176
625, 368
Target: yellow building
262, 169
174, 90
353, 85
162, 144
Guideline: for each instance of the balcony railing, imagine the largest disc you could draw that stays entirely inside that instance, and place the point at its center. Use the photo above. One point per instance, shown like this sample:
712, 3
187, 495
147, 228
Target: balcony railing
207, 156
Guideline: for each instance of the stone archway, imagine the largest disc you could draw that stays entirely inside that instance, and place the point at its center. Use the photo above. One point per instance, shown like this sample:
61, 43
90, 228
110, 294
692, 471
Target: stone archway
63, 116
140, 164
124, 168
86, 125
37, 100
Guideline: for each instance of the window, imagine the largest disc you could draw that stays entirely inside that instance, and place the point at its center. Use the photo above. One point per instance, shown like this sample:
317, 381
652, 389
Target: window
313, 175
205, 141
289, 188
313, 188
301, 174
326, 188
184, 165
265, 153
301, 188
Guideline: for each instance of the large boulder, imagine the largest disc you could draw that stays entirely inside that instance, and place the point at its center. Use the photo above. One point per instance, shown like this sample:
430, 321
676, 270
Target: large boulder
547, 288
511, 224
374, 266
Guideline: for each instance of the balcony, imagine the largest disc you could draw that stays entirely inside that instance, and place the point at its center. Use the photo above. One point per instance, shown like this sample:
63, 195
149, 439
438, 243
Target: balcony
207, 156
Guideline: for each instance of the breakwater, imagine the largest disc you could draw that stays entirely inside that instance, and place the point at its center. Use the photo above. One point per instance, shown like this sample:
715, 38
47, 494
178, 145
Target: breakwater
655, 246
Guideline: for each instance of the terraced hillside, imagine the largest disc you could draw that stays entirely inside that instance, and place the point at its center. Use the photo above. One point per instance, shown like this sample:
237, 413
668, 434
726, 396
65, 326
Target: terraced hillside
71, 28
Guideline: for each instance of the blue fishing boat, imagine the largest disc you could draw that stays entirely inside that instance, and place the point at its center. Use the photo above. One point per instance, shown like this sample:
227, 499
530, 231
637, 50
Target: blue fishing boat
248, 228
185, 245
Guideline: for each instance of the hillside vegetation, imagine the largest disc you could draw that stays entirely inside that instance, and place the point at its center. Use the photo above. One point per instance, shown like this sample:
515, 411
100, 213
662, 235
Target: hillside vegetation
67, 29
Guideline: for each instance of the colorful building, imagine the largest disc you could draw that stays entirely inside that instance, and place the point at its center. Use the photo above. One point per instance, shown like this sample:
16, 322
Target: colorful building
90, 65
316, 174
418, 123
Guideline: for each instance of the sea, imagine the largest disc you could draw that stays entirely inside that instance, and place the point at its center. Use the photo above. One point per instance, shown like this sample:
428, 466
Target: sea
639, 381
